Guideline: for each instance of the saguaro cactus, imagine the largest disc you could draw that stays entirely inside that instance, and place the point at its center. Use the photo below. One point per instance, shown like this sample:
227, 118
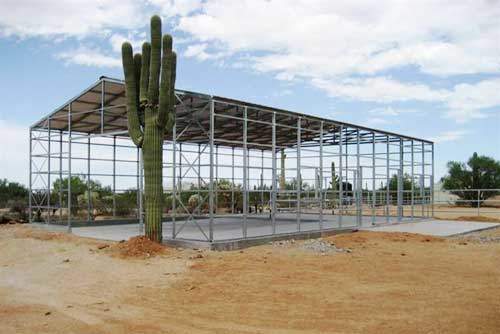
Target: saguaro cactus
149, 87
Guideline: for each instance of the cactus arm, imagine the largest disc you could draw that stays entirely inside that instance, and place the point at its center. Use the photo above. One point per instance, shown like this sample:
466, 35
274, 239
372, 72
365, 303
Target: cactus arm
171, 118
134, 127
154, 66
146, 54
138, 65
166, 84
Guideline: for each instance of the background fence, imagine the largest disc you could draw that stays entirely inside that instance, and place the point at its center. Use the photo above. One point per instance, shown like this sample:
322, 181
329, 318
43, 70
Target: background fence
457, 203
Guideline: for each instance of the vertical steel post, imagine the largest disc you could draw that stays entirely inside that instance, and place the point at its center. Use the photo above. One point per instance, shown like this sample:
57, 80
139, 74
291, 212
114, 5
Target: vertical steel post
400, 180
60, 173
180, 172
199, 174
232, 180
245, 171
423, 180
141, 191
412, 183
89, 191
320, 183
174, 178
388, 183
374, 177
274, 176
103, 87
341, 182
216, 185
478, 202
432, 182
49, 169
138, 173
359, 184
114, 177
211, 184
69, 167
299, 176
262, 180
30, 201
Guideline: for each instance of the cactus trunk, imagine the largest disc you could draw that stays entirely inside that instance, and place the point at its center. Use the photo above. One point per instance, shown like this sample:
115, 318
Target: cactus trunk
152, 154
149, 86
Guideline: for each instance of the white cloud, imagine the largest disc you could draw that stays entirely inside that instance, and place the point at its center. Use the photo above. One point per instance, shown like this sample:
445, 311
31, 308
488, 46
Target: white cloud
46, 18
468, 100
449, 136
377, 121
390, 111
379, 89
89, 57
346, 48
171, 8
136, 39
15, 155
326, 38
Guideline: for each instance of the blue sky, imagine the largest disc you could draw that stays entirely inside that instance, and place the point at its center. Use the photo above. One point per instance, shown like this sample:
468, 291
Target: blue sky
392, 65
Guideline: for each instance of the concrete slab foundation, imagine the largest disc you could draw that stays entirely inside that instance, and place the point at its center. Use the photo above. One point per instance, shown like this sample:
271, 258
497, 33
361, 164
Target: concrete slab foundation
228, 231
439, 228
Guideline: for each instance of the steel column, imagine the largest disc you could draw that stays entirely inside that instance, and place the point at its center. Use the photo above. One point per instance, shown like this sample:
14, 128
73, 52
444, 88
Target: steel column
358, 184
30, 202
262, 181
211, 184
299, 175
48, 170
374, 173
141, 189
412, 182
245, 171
321, 197
400, 180
216, 185
388, 183
423, 180
114, 177
341, 181
174, 177
69, 167
274, 176
89, 191
102, 104
432, 181
60, 174
232, 180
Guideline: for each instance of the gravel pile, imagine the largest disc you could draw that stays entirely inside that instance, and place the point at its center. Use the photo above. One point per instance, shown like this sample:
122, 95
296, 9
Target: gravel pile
314, 245
481, 239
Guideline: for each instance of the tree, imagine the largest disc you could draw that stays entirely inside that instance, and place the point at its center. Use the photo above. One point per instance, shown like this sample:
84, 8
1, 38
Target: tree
12, 191
480, 172
407, 182
78, 188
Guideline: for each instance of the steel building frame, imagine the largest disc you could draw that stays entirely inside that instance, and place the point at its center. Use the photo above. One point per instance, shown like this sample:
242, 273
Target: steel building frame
227, 152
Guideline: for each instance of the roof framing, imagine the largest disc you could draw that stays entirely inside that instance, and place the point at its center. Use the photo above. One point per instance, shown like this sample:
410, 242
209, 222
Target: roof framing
100, 109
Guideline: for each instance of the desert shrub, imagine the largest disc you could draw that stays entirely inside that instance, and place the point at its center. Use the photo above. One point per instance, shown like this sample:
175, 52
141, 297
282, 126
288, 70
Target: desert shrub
12, 191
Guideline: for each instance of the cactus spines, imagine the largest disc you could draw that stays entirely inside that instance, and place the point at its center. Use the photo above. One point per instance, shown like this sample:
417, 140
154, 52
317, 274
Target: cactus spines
149, 87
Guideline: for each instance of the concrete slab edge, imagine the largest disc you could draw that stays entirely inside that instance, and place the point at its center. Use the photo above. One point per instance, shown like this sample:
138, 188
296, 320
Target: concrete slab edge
236, 244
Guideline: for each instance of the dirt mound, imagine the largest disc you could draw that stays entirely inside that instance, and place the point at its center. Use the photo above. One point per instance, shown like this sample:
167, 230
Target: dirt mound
138, 247
479, 219
364, 238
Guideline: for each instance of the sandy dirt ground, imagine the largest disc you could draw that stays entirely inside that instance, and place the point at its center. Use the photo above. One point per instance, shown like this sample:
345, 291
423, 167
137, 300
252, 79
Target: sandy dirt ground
363, 282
